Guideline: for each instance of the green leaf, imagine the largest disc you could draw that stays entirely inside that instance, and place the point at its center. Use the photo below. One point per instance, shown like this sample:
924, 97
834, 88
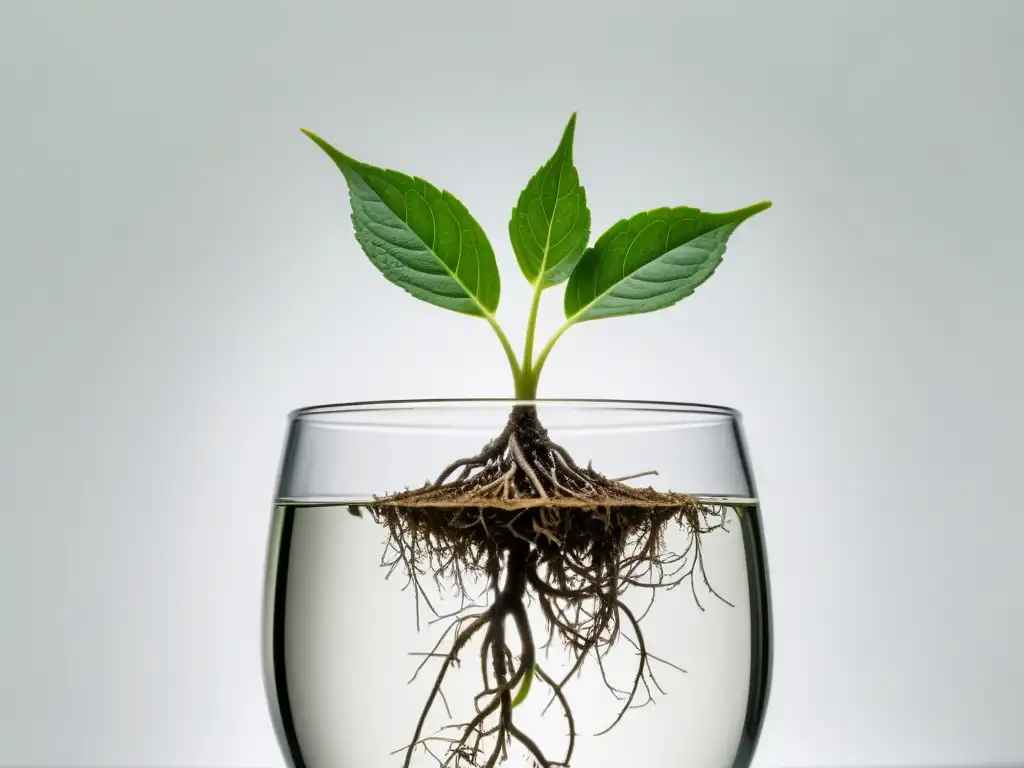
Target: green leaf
650, 261
550, 225
420, 238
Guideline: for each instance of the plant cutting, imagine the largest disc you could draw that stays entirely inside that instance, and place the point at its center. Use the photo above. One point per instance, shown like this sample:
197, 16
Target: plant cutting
533, 523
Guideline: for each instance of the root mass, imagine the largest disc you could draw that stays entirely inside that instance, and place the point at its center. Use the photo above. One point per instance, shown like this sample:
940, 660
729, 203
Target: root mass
523, 516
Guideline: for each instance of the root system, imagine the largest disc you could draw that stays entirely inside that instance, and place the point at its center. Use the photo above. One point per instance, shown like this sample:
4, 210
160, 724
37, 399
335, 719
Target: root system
535, 526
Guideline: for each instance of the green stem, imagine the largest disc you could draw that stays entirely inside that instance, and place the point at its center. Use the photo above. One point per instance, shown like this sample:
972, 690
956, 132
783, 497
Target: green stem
535, 368
531, 325
526, 382
526, 386
505, 345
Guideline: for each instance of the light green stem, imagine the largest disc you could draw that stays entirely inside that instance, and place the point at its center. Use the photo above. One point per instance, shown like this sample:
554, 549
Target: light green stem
526, 375
531, 325
509, 353
535, 368
526, 384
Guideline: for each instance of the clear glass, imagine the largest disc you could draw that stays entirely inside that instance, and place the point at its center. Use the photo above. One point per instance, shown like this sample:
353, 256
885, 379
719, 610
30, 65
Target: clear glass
343, 637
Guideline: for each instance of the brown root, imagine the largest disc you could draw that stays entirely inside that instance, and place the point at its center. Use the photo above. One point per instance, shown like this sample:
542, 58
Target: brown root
563, 535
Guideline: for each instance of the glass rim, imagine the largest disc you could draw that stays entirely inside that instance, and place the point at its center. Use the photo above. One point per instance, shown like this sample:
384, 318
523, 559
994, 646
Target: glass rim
668, 406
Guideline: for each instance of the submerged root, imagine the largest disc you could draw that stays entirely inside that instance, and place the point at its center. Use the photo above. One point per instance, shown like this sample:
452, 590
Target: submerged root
564, 536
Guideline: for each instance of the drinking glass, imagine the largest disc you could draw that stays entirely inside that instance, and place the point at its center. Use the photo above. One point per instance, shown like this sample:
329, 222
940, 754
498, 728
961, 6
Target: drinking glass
354, 649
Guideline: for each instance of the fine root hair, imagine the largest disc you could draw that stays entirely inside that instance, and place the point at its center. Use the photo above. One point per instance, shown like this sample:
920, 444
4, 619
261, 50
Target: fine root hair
522, 517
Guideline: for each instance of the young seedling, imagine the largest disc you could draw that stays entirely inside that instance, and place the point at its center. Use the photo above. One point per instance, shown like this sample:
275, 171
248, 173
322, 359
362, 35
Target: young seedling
522, 513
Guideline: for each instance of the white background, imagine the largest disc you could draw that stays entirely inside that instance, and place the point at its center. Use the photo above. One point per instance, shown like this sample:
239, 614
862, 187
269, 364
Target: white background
178, 272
